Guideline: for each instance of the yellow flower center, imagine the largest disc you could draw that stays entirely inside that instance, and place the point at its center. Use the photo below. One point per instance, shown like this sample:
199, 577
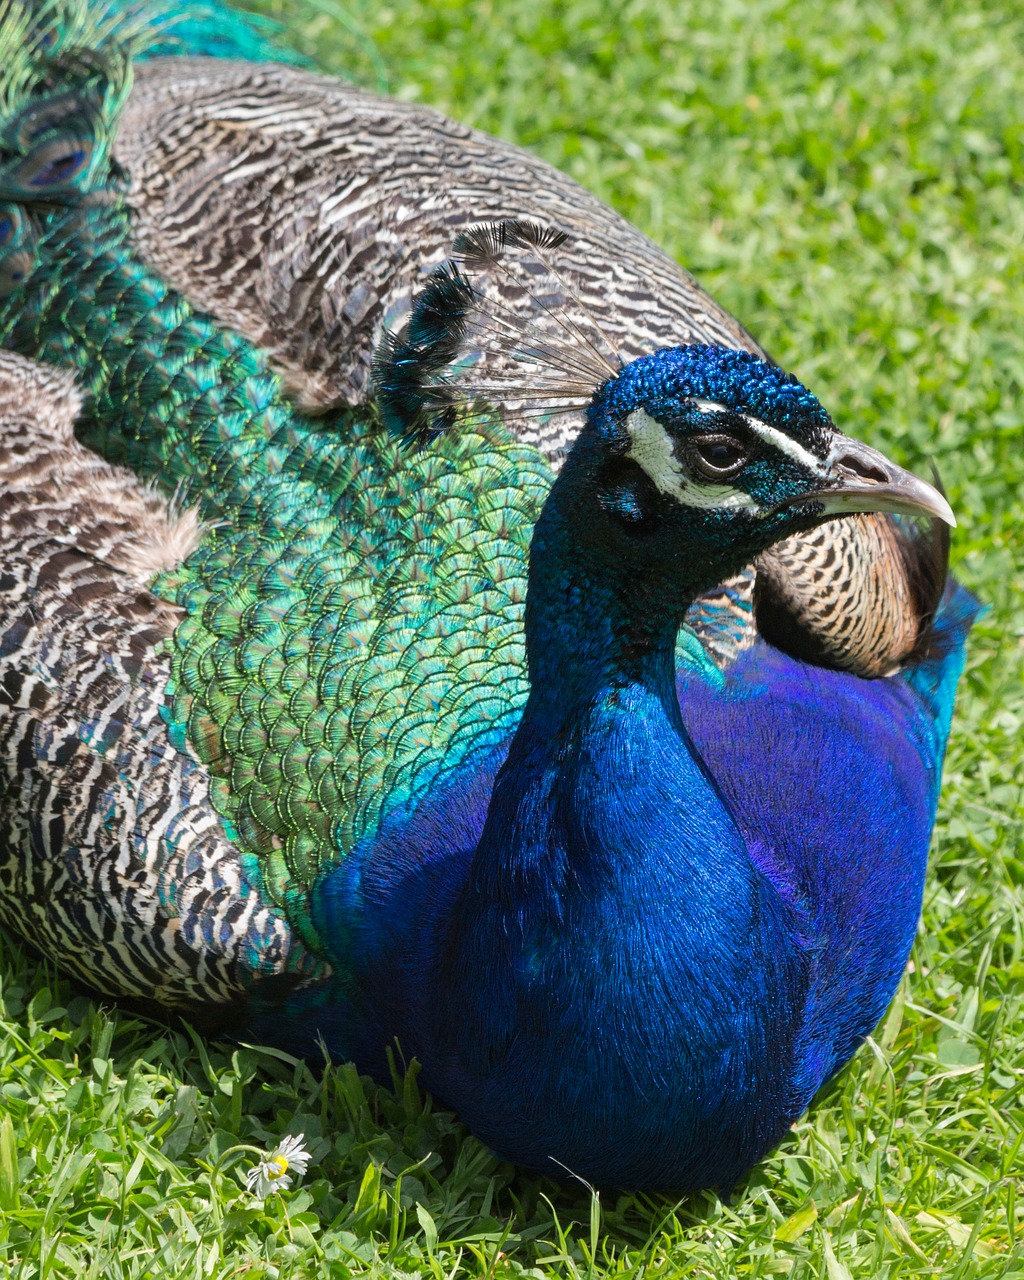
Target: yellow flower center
282, 1166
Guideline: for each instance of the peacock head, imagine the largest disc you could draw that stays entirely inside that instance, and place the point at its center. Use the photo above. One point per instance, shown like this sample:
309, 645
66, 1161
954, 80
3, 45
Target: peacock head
735, 450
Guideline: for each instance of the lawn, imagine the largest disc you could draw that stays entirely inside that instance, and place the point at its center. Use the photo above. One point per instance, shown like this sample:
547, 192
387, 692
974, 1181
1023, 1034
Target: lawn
847, 178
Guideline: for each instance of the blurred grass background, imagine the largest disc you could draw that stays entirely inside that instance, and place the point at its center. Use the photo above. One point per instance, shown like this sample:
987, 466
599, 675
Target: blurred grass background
847, 179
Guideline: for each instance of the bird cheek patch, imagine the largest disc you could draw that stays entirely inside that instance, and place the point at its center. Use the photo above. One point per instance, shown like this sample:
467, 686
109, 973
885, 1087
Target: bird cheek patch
652, 449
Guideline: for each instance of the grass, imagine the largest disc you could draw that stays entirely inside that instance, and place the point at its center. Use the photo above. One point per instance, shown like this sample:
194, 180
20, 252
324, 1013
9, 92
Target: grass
847, 178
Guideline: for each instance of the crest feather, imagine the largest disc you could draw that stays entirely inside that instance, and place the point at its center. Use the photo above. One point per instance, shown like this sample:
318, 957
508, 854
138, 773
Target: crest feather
487, 243
499, 324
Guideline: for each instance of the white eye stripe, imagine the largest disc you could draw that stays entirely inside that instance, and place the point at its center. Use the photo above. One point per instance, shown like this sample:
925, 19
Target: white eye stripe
710, 497
770, 435
706, 406
786, 444
651, 448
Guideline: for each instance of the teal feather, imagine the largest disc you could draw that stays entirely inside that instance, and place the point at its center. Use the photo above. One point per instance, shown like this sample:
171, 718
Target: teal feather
212, 29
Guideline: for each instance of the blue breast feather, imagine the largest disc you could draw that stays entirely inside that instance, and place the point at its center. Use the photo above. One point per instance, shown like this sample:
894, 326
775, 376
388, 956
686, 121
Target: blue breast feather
815, 777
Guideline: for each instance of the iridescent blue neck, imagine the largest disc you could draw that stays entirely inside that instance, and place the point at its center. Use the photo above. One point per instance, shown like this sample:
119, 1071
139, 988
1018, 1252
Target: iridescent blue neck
576, 938
602, 615
603, 610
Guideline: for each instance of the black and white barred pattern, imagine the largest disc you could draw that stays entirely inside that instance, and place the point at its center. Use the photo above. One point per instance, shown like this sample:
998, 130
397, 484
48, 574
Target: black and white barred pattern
305, 213
112, 859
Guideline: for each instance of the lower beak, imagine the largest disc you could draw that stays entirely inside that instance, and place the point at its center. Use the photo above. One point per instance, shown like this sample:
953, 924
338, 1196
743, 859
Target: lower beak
865, 480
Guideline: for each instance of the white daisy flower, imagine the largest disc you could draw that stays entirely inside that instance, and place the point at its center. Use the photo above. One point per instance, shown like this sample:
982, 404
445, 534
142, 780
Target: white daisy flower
275, 1171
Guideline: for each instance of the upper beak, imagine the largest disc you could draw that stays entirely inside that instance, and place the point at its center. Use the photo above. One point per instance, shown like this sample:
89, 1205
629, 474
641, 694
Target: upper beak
868, 481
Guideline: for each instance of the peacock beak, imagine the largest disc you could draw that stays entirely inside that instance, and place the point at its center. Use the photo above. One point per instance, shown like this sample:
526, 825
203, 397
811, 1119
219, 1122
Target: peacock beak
862, 479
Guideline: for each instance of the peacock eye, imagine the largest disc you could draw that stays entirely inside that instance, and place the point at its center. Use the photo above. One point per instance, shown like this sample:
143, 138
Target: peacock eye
718, 455
60, 169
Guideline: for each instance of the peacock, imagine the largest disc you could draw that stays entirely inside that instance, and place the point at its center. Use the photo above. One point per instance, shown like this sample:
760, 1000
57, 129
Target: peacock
427, 619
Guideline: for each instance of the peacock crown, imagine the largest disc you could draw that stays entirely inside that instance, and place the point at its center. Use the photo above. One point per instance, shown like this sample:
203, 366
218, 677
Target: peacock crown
714, 379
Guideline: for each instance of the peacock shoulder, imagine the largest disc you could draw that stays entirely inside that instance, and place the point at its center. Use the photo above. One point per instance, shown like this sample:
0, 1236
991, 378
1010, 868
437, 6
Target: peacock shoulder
329, 671
304, 213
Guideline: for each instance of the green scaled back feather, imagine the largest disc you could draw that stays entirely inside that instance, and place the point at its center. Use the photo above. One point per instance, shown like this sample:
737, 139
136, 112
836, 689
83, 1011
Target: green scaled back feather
333, 674
354, 613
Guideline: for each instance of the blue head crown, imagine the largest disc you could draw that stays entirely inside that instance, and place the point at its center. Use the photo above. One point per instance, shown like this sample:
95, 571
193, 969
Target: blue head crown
667, 383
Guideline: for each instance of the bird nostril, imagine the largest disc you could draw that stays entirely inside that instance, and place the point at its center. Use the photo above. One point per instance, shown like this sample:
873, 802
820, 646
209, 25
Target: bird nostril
864, 470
